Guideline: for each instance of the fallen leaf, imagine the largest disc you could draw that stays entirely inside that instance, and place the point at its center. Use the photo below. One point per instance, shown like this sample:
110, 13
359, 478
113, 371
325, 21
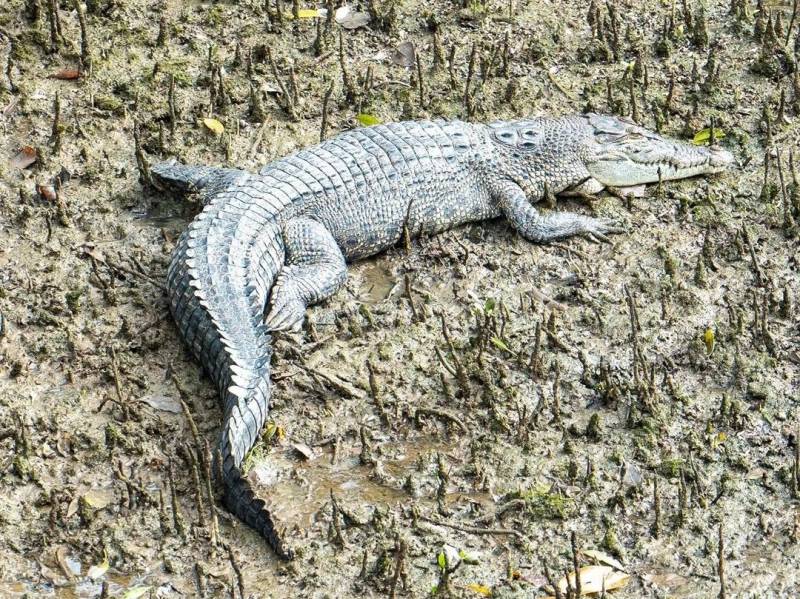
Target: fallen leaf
163, 403
719, 439
595, 578
305, 13
135, 592
709, 338
98, 498
349, 19
636, 191
99, 570
404, 55
66, 564
304, 450
47, 192
72, 508
501, 344
67, 74
214, 126
367, 120
603, 558
24, 158
703, 136
480, 589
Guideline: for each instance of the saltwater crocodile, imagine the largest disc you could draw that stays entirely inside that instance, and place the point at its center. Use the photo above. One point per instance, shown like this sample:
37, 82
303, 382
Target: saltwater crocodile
279, 239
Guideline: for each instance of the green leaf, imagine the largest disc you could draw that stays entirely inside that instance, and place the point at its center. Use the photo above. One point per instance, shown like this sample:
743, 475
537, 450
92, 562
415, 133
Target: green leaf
367, 120
703, 136
442, 560
501, 344
489, 306
435, 589
135, 592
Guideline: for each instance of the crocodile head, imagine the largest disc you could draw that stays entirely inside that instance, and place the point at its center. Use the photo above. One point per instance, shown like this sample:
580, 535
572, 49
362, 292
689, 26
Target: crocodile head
589, 152
619, 153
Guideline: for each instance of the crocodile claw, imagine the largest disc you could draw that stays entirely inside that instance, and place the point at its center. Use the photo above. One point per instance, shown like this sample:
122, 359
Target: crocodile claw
598, 229
288, 316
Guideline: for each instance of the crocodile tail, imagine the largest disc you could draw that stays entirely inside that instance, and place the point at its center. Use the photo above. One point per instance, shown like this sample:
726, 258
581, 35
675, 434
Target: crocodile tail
190, 179
244, 418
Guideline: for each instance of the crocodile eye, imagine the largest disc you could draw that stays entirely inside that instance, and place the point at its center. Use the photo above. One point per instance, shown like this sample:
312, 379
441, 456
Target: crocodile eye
506, 136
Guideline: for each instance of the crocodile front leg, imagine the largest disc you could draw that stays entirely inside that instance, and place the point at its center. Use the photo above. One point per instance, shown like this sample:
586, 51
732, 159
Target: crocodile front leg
313, 271
533, 226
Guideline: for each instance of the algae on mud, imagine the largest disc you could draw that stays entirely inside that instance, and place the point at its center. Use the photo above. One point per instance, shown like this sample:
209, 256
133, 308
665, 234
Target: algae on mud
714, 433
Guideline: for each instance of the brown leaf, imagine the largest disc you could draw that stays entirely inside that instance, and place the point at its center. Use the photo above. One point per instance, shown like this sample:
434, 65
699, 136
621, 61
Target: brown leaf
24, 158
47, 192
404, 55
67, 74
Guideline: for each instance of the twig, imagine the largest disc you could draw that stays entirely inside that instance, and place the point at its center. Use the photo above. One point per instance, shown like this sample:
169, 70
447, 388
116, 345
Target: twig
472, 529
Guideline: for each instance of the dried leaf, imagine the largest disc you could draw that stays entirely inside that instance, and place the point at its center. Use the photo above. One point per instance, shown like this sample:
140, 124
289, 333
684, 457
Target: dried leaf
480, 589
603, 558
214, 126
99, 570
349, 19
163, 403
47, 192
72, 508
367, 120
304, 450
636, 191
98, 498
24, 158
595, 578
703, 136
404, 55
67, 74
68, 566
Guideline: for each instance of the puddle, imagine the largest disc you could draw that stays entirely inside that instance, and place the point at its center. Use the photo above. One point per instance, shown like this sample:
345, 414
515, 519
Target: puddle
297, 488
377, 281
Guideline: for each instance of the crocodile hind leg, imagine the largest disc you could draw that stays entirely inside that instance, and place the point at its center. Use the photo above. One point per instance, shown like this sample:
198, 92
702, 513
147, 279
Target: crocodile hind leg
313, 271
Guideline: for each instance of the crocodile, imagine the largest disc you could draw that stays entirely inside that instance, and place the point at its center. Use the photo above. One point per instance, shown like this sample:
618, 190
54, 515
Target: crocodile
278, 240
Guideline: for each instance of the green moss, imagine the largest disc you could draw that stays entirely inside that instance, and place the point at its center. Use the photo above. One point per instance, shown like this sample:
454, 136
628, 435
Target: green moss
672, 467
73, 299
543, 503
108, 103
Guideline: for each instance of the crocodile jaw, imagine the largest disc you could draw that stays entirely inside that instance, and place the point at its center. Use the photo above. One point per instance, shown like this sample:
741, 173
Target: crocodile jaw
624, 169
619, 153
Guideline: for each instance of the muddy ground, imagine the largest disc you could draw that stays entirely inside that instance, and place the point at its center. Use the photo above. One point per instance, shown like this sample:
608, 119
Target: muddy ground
642, 394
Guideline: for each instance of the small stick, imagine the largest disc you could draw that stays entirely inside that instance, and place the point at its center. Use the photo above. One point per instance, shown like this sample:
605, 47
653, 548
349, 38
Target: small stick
400, 546
323, 129
236, 570
574, 543
440, 414
472, 529
721, 563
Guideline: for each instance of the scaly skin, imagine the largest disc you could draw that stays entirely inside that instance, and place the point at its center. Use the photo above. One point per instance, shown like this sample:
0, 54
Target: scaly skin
283, 235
